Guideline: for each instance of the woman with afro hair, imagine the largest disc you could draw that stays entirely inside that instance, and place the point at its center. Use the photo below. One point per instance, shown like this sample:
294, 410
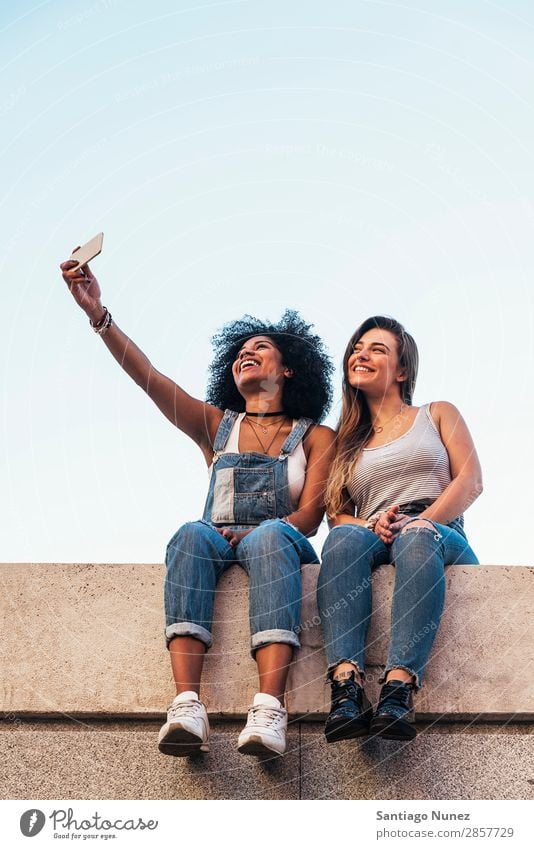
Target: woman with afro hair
268, 461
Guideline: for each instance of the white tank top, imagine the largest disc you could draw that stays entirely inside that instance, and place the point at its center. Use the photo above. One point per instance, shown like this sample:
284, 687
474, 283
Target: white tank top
296, 462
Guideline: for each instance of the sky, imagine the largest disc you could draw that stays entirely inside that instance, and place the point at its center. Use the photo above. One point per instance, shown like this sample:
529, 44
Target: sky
345, 159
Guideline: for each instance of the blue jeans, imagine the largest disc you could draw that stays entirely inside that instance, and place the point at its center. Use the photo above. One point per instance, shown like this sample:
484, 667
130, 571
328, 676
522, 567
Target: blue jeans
344, 591
271, 554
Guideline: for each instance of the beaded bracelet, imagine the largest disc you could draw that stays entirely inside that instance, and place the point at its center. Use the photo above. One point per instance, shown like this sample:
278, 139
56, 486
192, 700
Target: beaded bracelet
102, 325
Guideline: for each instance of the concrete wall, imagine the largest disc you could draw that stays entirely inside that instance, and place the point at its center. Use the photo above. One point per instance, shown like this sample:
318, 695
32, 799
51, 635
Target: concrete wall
88, 640
86, 681
101, 760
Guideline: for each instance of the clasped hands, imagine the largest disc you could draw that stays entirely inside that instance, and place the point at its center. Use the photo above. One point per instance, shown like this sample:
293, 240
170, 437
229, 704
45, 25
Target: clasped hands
390, 523
232, 537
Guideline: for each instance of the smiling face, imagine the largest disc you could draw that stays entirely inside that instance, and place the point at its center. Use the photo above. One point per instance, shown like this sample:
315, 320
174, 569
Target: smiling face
259, 367
373, 366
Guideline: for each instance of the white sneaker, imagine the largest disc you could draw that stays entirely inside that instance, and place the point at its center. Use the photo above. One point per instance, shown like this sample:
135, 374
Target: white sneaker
187, 728
265, 731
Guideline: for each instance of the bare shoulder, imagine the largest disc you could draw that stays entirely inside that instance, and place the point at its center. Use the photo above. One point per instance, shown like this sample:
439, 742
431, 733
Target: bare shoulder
321, 434
319, 438
449, 422
444, 411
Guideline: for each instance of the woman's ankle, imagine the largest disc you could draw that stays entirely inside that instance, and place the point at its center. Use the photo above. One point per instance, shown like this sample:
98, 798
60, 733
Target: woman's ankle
400, 675
343, 672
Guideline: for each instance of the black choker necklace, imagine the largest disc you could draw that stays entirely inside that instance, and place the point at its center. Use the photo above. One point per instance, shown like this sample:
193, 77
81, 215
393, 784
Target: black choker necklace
265, 415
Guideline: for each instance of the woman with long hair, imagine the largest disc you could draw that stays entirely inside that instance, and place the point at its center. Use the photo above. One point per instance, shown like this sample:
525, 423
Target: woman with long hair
268, 461
399, 484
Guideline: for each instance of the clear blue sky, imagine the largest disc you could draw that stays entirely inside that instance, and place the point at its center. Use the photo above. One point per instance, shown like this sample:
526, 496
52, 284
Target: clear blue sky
343, 158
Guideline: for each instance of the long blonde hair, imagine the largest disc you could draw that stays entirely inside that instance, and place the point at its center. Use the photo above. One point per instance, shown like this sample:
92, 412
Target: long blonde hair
355, 427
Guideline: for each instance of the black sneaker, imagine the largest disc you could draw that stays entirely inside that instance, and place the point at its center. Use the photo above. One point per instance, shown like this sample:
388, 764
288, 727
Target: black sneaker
394, 717
350, 713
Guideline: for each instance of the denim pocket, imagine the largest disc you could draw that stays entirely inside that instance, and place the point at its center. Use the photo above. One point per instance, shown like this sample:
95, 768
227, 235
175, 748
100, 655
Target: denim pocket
254, 508
250, 481
254, 495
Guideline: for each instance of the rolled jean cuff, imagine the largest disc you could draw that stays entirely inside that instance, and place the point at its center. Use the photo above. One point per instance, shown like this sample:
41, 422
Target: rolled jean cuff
416, 678
332, 666
188, 629
274, 635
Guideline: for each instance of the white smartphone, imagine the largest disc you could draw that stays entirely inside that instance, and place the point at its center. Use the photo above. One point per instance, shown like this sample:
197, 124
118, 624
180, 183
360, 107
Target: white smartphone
88, 251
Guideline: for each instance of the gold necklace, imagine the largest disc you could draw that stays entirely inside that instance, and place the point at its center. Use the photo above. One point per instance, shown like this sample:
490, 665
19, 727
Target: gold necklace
263, 448
381, 427
264, 428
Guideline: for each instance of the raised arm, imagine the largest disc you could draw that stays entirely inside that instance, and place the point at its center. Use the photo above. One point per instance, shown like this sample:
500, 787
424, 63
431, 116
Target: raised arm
194, 417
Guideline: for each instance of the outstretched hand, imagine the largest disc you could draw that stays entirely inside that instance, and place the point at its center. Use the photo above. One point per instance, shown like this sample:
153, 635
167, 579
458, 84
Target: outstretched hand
83, 286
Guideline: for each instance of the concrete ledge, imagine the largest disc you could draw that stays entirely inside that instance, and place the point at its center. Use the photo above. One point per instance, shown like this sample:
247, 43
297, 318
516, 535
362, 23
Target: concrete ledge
103, 760
87, 640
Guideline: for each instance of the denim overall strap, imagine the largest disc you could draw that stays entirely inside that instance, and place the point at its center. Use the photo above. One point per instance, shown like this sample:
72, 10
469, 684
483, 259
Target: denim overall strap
295, 437
223, 433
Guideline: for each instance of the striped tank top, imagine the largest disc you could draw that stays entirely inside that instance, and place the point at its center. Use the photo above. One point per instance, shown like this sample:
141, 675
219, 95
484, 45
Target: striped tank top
414, 467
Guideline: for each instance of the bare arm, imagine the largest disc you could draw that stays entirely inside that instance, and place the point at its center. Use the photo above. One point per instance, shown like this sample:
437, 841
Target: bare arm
466, 474
307, 517
346, 516
192, 416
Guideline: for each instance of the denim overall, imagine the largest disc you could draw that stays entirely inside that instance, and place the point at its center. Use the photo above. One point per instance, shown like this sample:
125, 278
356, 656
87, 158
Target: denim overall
247, 490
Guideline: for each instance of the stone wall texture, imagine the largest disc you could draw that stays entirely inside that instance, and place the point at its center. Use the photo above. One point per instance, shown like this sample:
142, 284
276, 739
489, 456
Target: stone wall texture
86, 681
87, 639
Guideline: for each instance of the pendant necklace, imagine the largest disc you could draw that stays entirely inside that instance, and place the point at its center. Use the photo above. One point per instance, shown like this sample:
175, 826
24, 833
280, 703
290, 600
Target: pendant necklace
263, 427
381, 427
253, 429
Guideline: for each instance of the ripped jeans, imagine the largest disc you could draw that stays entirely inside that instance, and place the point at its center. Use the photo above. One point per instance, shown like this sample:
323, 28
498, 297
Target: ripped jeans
344, 590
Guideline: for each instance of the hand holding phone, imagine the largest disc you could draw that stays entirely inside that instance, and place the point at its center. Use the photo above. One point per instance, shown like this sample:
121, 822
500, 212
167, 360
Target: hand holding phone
88, 251
82, 283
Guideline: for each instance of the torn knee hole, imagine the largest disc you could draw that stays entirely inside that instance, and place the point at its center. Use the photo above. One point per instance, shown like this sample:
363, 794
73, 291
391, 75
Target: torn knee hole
416, 525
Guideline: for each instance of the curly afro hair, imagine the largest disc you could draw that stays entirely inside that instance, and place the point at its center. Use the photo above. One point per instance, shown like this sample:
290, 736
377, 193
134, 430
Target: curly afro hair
308, 393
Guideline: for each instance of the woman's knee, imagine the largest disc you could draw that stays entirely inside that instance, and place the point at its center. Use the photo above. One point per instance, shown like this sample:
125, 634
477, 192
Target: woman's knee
415, 525
352, 540
418, 538
191, 539
418, 553
267, 538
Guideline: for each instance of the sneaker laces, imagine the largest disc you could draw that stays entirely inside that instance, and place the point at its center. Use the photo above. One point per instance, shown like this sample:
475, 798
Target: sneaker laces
343, 691
396, 696
263, 715
178, 710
